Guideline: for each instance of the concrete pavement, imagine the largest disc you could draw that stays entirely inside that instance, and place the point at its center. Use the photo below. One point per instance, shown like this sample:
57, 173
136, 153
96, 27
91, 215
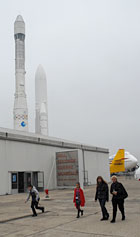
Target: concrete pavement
60, 216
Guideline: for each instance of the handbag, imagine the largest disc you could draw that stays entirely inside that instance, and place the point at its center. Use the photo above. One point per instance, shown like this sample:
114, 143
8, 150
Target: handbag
78, 202
125, 194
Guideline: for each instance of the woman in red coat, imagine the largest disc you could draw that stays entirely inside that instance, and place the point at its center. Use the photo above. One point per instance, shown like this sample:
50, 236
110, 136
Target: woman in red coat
79, 199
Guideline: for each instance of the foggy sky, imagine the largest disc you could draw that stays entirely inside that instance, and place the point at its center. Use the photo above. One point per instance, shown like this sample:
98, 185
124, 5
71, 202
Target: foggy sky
90, 51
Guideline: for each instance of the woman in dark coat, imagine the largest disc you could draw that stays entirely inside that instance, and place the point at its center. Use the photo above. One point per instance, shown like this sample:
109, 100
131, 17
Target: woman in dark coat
102, 194
118, 195
79, 199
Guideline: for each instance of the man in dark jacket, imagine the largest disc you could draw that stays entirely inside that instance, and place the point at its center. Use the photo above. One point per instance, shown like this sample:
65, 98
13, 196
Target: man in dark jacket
119, 194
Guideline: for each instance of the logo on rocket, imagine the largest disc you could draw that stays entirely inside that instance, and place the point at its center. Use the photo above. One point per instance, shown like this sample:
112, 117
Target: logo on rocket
23, 124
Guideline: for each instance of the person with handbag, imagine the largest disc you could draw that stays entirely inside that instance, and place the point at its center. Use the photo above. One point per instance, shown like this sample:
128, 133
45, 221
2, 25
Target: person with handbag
79, 199
102, 194
118, 195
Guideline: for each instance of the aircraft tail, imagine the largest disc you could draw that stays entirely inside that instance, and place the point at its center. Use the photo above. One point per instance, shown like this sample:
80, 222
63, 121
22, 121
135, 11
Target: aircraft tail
117, 164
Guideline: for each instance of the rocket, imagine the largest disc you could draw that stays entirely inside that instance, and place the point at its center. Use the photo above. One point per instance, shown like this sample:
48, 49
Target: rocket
41, 120
20, 111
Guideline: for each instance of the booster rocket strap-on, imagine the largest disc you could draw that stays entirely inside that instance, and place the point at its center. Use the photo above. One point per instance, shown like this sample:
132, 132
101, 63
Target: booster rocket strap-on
41, 120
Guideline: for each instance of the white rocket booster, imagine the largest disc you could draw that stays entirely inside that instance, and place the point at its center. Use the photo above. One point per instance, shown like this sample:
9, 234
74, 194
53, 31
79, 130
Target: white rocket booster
41, 121
20, 104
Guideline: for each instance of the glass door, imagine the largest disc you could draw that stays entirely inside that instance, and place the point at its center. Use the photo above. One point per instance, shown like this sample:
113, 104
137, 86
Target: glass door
21, 182
40, 181
27, 180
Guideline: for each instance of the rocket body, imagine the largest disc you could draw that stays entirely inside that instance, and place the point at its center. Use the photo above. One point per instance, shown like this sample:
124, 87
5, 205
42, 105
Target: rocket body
41, 120
20, 104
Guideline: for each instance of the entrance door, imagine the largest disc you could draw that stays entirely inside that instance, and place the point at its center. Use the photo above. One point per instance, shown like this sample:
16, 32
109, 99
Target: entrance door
21, 182
40, 179
35, 179
27, 180
14, 182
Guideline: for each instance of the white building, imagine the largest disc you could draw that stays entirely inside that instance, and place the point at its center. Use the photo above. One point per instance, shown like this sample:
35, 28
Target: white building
47, 162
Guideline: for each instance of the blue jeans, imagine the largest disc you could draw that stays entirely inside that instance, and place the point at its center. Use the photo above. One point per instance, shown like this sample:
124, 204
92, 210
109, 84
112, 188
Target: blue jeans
103, 208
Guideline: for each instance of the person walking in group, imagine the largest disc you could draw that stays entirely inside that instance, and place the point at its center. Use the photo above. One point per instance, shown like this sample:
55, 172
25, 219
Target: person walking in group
119, 194
79, 199
102, 194
35, 199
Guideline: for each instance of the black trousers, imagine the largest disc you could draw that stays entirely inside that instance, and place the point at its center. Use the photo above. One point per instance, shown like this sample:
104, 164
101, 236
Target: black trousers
103, 208
34, 205
78, 208
120, 204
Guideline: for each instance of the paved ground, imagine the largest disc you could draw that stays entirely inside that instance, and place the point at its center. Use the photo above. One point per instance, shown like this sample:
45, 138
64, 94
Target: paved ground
59, 218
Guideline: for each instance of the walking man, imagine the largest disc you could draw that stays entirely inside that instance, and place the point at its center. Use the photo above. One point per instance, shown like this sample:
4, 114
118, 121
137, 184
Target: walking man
119, 194
34, 194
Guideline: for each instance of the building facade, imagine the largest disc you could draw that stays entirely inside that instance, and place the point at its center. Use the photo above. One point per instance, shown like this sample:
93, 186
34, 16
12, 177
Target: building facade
27, 158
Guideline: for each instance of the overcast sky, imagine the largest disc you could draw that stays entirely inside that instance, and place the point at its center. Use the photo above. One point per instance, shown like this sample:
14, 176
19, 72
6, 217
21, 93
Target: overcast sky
90, 51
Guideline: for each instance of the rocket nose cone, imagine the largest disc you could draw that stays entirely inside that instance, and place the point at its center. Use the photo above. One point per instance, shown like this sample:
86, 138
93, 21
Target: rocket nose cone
19, 18
19, 26
40, 73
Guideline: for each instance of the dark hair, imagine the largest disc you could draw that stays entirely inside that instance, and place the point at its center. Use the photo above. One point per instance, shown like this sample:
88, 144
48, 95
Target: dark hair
100, 177
30, 186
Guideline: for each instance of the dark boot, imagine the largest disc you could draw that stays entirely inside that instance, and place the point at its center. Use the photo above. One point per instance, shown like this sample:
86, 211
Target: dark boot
107, 217
103, 219
113, 221
78, 214
34, 215
82, 212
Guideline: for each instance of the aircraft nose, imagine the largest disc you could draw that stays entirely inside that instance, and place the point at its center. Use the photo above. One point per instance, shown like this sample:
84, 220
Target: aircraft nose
135, 160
